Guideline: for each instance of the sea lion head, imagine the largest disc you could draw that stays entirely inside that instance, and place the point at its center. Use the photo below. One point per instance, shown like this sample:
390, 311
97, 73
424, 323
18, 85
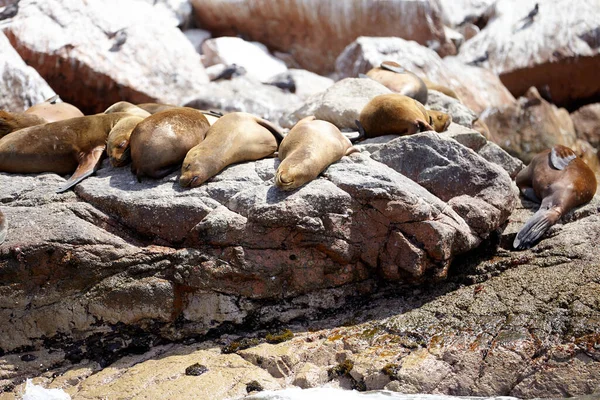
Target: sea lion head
198, 167
439, 120
117, 146
291, 175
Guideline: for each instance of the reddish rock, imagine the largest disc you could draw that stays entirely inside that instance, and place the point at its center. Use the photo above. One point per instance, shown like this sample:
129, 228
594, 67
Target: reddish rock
477, 88
314, 33
587, 123
98, 54
557, 50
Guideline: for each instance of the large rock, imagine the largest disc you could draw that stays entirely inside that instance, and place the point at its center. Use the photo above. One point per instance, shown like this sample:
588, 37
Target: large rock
21, 86
557, 51
304, 28
226, 251
530, 126
587, 124
256, 60
244, 94
98, 54
305, 83
477, 88
457, 12
180, 11
340, 104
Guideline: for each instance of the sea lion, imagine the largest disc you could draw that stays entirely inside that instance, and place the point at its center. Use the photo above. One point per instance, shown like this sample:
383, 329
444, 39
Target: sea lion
310, 147
153, 108
125, 106
10, 122
52, 110
562, 181
160, 142
396, 114
48, 111
76, 144
117, 144
3, 227
234, 138
399, 80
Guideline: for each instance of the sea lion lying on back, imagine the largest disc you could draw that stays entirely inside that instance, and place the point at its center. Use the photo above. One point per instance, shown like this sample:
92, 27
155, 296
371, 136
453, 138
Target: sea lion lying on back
307, 150
48, 111
75, 144
234, 138
561, 181
399, 80
395, 114
160, 142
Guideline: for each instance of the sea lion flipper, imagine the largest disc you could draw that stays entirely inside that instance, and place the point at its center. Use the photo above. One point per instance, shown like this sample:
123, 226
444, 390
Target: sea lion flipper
361, 132
561, 156
276, 131
52, 100
538, 224
424, 126
394, 67
88, 162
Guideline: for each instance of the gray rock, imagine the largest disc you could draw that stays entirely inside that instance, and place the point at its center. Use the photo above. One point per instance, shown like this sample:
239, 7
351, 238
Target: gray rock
460, 113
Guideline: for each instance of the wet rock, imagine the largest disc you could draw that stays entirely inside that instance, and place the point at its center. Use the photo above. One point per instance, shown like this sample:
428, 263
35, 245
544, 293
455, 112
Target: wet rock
554, 51
244, 94
532, 125
21, 86
98, 59
477, 88
256, 60
341, 104
297, 26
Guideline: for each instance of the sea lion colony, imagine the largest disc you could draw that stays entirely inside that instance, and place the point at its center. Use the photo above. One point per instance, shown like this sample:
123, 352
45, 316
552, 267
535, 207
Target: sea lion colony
158, 139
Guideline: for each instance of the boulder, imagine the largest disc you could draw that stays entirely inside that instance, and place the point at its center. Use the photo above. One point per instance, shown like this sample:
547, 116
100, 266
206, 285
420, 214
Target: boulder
244, 94
152, 260
460, 12
477, 88
558, 52
21, 86
256, 60
587, 124
460, 113
304, 83
530, 126
341, 104
197, 37
100, 54
304, 29
180, 11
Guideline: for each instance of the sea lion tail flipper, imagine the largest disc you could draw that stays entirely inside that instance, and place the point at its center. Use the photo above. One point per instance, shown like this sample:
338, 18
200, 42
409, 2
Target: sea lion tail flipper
392, 66
361, 132
537, 225
53, 99
88, 163
561, 156
275, 130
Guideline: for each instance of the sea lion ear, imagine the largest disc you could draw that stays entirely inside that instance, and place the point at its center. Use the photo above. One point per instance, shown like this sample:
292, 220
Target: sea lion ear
561, 156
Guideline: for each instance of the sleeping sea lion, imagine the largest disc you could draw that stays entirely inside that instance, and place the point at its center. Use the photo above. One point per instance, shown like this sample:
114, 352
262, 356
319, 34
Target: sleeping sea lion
396, 114
153, 108
399, 80
3, 227
307, 150
561, 181
76, 144
48, 111
52, 110
160, 142
125, 106
234, 138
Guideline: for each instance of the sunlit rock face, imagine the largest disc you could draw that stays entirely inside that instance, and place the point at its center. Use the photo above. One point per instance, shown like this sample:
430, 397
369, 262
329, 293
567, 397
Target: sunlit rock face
21, 86
101, 53
557, 49
477, 88
314, 33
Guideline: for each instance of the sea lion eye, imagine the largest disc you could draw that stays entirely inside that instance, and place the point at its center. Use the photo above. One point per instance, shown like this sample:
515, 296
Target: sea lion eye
430, 120
122, 144
187, 167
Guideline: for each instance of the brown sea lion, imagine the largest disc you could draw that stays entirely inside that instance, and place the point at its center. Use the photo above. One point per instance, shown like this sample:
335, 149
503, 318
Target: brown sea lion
160, 142
51, 110
561, 181
117, 144
10, 122
396, 114
234, 138
76, 144
399, 80
307, 150
3, 227
153, 108
125, 106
